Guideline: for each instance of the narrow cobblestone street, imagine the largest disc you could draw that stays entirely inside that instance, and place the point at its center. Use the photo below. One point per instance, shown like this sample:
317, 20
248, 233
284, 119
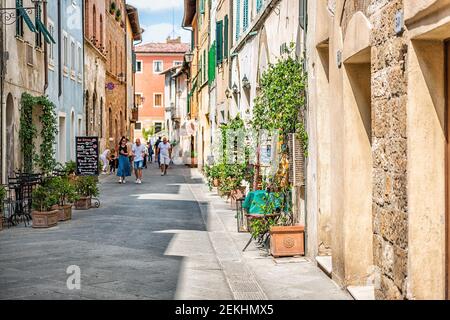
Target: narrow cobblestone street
168, 238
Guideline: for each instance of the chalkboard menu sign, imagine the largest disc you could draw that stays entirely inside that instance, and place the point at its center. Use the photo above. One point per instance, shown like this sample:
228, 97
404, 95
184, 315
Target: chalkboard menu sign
87, 156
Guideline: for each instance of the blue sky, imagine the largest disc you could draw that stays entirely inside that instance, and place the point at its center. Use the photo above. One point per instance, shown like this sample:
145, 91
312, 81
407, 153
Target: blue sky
156, 18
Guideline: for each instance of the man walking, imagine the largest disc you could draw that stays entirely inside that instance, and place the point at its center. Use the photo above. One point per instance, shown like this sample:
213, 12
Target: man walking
165, 153
139, 154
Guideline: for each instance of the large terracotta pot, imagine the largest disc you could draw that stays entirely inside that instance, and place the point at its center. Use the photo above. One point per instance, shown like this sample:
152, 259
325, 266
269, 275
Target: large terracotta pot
287, 241
64, 212
84, 203
45, 219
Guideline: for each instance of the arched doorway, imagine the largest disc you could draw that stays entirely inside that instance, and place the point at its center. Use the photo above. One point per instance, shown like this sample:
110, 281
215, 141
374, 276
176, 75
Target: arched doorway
10, 136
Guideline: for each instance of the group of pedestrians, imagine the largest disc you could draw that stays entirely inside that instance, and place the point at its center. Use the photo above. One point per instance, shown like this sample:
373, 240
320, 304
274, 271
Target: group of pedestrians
136, 156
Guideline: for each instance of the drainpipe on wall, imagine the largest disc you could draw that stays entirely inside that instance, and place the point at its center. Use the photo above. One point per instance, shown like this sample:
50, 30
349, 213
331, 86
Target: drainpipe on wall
304, 20
45, 51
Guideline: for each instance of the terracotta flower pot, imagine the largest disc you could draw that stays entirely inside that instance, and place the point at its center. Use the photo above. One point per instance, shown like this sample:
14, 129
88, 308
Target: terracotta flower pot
287, 241
84, 203
64, 212
46, 219
216, 183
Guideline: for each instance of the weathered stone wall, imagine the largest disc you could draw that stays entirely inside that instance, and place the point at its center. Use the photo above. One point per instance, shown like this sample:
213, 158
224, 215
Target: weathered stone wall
389, 89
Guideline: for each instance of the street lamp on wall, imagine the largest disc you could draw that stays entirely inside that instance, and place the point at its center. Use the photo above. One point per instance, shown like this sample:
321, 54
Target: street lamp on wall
9, 16
189, 56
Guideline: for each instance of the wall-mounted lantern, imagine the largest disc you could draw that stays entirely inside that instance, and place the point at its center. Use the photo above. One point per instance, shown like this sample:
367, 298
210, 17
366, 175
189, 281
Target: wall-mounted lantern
246, 83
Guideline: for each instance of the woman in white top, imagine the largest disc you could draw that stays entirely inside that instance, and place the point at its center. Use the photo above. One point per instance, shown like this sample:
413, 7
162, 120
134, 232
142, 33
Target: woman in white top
105, 160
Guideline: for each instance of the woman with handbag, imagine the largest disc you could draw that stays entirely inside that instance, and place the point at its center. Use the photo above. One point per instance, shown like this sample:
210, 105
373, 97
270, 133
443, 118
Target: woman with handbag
124, 162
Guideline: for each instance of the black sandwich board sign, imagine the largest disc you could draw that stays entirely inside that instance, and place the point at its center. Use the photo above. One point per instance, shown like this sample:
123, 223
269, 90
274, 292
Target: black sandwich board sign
87, 156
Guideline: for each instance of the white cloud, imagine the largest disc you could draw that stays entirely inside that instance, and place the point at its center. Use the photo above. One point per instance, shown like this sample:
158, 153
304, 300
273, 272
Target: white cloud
160, 32
156, 5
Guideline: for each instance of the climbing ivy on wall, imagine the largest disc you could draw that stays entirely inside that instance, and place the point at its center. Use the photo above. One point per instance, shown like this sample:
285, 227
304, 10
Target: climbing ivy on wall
45, 160
280, 104
27, 132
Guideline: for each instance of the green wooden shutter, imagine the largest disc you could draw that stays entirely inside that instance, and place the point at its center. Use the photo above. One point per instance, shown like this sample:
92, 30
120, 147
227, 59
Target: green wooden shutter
259, 5
303, 13
134, 61
219, 38
212, 63
202, 6
238, 18
225, 38
245, 26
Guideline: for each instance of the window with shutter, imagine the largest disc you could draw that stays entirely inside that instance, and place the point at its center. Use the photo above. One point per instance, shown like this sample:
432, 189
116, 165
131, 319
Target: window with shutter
296, 161
225, 38
202, 6
238, 18
219, 37
245, 22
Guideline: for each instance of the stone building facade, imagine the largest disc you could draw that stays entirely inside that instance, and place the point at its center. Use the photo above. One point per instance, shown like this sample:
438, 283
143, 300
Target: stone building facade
95, 54
116, 120
24, 71
378, 111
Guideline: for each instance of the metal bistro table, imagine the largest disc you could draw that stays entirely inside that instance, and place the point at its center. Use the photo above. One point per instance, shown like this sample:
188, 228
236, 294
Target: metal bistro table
19, 200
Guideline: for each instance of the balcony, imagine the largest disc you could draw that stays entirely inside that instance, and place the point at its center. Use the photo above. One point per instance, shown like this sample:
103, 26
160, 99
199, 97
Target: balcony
134, 115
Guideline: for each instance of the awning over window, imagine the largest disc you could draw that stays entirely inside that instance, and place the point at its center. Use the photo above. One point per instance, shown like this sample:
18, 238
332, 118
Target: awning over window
41, 28
22, 13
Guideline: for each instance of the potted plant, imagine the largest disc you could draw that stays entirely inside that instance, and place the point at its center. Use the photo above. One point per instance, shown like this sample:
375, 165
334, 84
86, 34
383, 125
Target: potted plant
112, 7
286, 238
86, 188
213, 176
2, 201
118, 15
43, 200
66, 195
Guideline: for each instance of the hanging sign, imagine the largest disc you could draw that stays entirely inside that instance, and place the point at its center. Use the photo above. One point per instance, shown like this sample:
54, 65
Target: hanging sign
87, 156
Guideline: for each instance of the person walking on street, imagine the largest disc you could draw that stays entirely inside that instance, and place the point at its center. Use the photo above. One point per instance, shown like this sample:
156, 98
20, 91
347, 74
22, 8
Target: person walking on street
105, 160
145, 157
165, 153
156, 151
139, 155
130, 154
124, 162
150, 151
113, 162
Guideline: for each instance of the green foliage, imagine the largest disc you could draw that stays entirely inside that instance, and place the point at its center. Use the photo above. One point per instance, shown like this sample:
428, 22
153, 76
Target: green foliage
2, 197
87, 187
64, 190
281, 101
45, 159
44, 197
27, 131
259, 227
147, 133
70, 167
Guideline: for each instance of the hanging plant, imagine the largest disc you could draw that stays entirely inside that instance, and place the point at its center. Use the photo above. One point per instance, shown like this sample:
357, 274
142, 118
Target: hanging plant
112, 8
118, 15
281, 103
